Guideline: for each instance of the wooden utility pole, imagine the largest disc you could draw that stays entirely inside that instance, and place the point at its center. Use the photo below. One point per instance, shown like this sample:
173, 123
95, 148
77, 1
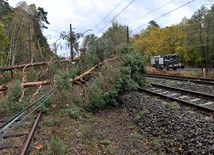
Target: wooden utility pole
127, 34
71, 45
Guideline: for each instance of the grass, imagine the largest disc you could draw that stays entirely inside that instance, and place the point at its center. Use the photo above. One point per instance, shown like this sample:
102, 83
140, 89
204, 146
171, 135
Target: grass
51, 122
141, 114
138, 136
56, 147
172, 105
157, 143
76, 113
171, 83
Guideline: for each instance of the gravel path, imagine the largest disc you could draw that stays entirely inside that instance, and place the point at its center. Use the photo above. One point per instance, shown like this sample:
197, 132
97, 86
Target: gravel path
177, 130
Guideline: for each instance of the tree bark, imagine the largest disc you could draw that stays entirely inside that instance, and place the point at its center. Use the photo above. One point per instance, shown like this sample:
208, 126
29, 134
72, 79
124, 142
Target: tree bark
78, 78
2, 69
24, 65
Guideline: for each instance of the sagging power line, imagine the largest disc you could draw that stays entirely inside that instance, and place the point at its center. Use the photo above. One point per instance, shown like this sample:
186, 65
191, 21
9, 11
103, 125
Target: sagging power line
165, 14
150, 12
116, 16
108, 14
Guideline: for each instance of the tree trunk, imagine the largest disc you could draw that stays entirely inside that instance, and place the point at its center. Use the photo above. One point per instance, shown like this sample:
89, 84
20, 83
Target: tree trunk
24, 65
78, 78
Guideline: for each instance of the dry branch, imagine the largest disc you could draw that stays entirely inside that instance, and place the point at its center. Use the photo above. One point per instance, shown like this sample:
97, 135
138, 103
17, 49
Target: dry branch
37, 91
22, 95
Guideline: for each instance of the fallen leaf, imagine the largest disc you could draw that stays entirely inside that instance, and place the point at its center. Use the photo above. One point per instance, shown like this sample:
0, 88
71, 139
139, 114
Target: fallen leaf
39, 147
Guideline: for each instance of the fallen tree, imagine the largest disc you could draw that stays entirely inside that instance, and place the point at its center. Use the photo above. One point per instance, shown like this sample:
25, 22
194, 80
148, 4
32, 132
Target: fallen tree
24, 66
35, 64
47, 82
27, 84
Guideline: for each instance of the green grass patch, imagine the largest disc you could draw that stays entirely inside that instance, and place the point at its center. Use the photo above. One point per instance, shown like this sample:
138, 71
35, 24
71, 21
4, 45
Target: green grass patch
138, 136
50, 122
172, 105
141, 114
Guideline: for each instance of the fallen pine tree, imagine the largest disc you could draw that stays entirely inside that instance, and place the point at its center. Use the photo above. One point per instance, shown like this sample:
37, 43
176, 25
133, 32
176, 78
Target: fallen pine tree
35, 64
101, 84
47, 82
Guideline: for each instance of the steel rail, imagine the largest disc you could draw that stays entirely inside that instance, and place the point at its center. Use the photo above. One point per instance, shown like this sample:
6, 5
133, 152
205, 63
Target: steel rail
206, 109
209, 96
191, 79
186, 77
18, 122
27, 144
4, 126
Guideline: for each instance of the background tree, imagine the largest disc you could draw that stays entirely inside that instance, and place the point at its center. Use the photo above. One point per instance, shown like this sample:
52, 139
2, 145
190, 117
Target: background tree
24, 31
97, 49
4, 8
3, 43
40, 20
200, 36
114, 37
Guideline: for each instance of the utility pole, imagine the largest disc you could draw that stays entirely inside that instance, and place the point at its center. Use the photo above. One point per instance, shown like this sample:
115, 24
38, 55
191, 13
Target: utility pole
71, 45
127, 34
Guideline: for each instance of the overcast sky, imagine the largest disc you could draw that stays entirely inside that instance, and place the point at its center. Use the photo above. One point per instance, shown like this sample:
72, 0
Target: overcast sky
86, 14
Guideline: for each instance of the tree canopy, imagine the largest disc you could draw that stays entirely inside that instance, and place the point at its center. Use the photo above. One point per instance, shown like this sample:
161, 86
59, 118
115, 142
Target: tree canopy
21, 34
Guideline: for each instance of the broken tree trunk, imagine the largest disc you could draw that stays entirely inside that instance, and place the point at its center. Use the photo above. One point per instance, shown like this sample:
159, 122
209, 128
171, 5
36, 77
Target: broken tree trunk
78, 78
2, 69
28, 84
24, 66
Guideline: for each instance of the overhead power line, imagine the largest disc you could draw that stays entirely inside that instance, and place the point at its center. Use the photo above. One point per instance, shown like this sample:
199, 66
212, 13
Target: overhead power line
108, 14
150, 12
116, 15
166, 14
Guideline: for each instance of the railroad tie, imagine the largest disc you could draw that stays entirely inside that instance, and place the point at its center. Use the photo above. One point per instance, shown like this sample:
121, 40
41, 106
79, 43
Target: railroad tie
208, 103
158, 90
182, 97
165, 92
195, 99
174, 94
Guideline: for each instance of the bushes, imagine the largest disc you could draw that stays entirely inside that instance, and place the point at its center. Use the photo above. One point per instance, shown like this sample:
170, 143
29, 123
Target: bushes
116, 77
56, 147
15, 91
64, 77
76, 113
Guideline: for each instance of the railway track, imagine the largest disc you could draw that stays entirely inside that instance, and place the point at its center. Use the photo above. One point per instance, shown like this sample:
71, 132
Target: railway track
18, 140
195, 99
191, 79
14, 131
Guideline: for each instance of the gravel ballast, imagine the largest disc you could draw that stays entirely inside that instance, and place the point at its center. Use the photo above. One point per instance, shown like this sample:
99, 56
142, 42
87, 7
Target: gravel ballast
178, 130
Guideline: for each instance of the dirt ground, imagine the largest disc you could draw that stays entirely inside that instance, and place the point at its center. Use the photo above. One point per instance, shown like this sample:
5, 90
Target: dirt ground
108, 131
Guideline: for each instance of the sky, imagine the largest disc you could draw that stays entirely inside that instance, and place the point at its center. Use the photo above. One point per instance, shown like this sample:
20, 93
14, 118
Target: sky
88, 15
